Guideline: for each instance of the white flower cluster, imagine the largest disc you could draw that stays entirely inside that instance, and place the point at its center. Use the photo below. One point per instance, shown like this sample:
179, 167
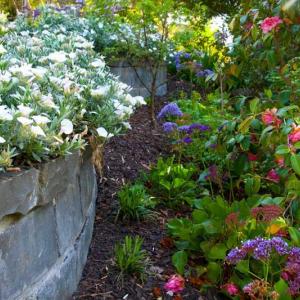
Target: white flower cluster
54, 88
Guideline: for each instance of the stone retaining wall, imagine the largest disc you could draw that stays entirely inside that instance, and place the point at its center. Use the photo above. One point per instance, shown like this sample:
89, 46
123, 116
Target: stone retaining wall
46, 223
128, 75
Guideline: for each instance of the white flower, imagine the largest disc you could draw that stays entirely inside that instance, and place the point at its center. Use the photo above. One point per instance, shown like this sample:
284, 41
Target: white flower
47, 100
98, 63
5, 77
25, 110
2, 140
39, 72
37, 130
58, 57
66, 126
24, 121
127, 125
139, 100
24, 70
2, 50
100, 91
102, 132
72, 55
5, 113
41, 120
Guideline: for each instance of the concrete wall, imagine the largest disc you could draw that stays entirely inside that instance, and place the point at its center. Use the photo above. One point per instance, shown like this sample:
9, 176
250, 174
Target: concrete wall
128, 75
46, 223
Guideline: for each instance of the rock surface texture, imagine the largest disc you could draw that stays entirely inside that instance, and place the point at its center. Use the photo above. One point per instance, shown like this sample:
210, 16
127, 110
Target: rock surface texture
46, 224
140, 78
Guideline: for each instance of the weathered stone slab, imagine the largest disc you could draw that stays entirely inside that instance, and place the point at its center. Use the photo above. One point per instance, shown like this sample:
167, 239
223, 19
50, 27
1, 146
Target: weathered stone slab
46, 230
18, 192
62, 280
69, 216
88, 182
56, 175
28, 248
140, 78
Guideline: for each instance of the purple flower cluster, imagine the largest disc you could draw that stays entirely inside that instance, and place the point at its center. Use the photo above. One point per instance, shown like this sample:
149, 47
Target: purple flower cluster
291, 272
189, 129
205, 73
169, 127
260, 248
170, 110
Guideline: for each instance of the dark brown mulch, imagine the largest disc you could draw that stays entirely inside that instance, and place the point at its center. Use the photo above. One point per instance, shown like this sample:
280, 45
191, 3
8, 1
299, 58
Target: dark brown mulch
124, 158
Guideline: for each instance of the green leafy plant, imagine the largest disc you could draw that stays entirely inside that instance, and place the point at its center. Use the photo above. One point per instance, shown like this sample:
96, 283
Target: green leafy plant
135, 203
172, 183
129, 256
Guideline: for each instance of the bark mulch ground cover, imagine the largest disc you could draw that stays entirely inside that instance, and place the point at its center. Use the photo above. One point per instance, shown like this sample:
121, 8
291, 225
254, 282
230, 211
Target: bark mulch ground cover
124, 158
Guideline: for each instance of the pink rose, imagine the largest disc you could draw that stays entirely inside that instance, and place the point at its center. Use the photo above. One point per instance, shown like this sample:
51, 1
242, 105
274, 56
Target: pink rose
273, 176
175, 284
230, 288
270, 23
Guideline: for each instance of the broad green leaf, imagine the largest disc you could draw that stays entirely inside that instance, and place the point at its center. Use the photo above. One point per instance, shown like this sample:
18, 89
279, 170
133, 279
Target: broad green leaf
218, 251
254, 104
295, 236
179, 260
282, 149
282, 288
295, 161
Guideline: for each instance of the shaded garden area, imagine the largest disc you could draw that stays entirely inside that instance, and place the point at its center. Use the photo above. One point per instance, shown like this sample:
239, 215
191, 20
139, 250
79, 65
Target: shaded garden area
198, 178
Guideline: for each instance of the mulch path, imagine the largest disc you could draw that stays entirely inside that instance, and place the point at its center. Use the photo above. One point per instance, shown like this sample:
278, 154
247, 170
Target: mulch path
124, 158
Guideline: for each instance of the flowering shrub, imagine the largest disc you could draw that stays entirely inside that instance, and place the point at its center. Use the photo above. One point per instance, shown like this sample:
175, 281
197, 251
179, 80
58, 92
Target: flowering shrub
55, 90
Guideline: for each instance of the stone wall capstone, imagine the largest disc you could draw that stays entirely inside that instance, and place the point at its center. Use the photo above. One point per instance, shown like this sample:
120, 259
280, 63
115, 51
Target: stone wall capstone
46, 223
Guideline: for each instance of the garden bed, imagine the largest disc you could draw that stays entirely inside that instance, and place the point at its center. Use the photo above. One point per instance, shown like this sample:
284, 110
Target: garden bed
125, 157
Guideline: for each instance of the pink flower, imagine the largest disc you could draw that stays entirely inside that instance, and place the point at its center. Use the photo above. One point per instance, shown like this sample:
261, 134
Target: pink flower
294, 136
230, 288
175, 284
270, 23
280, 161
269, 117
273, 176
248, 26
252, 157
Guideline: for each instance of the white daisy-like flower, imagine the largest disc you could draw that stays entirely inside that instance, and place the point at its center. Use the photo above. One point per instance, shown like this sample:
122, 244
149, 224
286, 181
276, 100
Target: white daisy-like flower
66, 126
2, 140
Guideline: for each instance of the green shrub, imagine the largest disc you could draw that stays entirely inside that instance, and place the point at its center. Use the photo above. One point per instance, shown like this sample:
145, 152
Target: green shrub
172, 182
129, 256
135, 203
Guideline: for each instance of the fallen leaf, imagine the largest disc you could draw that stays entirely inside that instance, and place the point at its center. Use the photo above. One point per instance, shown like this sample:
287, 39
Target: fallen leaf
167, 242
156, 291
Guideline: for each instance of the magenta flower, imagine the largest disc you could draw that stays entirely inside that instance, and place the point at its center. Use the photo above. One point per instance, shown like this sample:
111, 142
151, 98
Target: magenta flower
270, 23
175, 284
273, 176
230, 288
